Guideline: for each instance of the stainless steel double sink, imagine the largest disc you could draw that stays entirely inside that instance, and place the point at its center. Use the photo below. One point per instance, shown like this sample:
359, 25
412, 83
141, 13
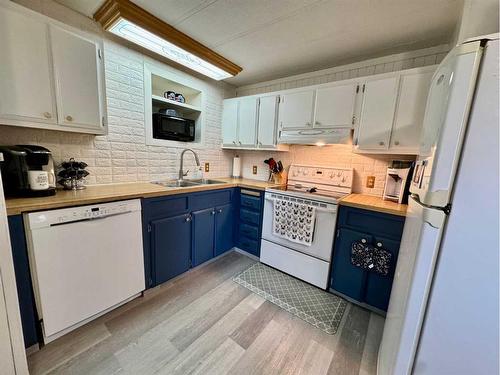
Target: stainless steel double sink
187, 183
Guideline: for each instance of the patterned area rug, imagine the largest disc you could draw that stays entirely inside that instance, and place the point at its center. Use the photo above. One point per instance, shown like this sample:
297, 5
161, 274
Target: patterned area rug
317, 307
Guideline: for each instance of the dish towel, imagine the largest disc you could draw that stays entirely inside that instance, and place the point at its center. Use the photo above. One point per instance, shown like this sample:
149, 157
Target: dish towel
294, 221
371, 258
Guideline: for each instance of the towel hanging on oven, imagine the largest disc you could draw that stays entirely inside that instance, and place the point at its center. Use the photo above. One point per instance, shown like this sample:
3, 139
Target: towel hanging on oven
294, 221
371, 258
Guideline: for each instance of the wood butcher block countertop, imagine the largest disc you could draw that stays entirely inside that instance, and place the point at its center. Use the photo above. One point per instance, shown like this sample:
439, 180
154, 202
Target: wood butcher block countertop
107, 193
373, 203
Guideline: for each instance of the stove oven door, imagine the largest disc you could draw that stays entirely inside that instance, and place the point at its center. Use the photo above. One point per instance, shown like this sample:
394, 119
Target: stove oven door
324, 229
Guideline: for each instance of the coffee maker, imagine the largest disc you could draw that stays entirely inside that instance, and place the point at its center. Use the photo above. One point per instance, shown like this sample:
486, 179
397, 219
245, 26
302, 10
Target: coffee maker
397, 181
27, 171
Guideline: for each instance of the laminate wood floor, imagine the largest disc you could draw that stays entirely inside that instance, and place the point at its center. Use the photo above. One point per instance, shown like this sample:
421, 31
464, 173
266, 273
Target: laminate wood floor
204, 323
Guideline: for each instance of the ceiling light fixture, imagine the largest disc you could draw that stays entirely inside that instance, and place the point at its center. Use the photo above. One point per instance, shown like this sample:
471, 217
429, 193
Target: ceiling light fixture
126, 20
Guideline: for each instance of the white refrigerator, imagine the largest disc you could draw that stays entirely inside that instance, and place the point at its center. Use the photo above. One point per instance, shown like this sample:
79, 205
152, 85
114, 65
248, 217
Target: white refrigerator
443, 313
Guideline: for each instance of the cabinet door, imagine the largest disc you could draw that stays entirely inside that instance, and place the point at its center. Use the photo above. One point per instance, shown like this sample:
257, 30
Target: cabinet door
413, 90
378, 287
203, 235
247, 122
268, 110
230, 122
296, 110
335, 106
26, 83
224, 224
377, 114
78, 73
171, 243
346, 278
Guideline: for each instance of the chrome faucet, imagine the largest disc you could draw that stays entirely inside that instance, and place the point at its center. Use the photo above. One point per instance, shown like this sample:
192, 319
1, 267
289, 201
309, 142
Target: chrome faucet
181, 168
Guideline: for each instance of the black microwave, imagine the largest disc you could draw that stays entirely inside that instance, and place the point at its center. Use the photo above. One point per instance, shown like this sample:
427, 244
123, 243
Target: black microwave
173, 128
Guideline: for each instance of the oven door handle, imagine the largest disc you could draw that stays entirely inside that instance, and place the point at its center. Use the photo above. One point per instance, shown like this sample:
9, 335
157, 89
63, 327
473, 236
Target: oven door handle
327, 210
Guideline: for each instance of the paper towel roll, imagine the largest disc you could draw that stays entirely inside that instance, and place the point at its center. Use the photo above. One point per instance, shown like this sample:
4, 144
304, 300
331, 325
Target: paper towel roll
236, 166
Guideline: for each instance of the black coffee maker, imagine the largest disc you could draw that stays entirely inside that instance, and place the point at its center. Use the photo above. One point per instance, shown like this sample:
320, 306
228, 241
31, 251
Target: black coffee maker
27, 171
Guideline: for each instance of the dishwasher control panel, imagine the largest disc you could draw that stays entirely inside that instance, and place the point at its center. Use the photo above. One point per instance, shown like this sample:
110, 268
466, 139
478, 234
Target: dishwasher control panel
68, 215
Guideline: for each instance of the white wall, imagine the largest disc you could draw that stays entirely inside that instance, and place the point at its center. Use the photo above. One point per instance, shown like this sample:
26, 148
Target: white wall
122, 155
479, 17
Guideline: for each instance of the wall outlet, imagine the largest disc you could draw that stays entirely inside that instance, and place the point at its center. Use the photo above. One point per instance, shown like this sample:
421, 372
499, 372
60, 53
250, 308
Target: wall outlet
207, 167
254, 169
370, 182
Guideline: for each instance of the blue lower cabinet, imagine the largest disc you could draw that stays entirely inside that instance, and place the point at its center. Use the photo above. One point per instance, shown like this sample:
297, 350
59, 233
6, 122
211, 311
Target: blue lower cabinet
346, 278
378, 287
250, 220
186, 230
171, 247
203, 235
373, 228
23, 281
224, 229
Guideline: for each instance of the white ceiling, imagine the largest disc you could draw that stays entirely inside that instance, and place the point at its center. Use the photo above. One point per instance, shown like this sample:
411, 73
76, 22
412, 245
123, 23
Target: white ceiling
270, 39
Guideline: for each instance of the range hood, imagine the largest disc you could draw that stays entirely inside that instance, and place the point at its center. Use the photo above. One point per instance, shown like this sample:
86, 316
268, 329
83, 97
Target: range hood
315, 136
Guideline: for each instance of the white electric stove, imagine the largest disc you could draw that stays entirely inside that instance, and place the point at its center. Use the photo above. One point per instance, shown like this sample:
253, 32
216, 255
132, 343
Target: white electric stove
299, 221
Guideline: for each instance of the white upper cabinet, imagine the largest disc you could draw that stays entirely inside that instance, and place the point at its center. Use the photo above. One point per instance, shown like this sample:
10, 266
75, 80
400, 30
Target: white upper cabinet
250, 123
335, 106
51, 77
377, 113
268, 111
26, 83
247, 122
296, 110
78, 71
410, 109
230, 122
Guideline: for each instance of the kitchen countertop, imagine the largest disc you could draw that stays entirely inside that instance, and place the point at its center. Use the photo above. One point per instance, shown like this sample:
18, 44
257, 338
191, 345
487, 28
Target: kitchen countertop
373, 203
114, 192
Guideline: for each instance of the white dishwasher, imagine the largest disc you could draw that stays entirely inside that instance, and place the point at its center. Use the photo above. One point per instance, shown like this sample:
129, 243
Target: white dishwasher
84, 262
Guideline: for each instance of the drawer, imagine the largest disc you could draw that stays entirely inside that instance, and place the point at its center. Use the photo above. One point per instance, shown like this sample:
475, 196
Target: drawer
372, 222
249, 231
250, 216
250, 202
164, 206
200, 201
250, 245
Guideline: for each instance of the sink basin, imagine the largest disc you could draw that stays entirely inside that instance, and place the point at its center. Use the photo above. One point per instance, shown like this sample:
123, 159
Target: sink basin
187, 183
205, 181
175, 183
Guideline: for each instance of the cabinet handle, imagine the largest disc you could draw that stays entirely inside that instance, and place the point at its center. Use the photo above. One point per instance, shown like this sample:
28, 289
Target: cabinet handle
188, 219
220, 210
239, 142
212, 213
260, 143
234, 142
363, 240
317, 123
69, 118
396, 143
308, 124
47, 115
381, 143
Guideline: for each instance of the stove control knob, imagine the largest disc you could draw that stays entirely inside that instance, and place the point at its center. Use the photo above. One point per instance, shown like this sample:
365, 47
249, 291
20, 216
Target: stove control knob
331, 175
305, 172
